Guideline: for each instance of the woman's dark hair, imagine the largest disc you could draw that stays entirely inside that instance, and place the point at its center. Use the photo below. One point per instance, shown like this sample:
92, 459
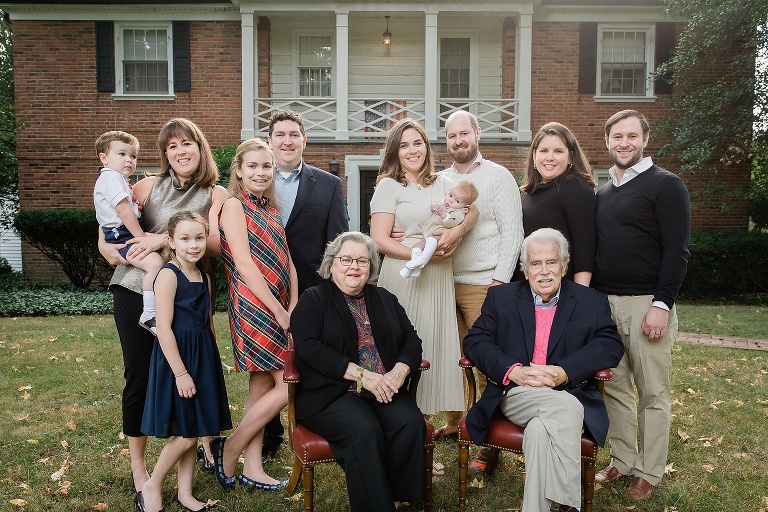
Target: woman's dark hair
578, 166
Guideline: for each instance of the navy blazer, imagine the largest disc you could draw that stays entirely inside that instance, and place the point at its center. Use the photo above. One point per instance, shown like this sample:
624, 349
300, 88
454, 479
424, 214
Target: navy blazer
325, 336
318, 216
583, 340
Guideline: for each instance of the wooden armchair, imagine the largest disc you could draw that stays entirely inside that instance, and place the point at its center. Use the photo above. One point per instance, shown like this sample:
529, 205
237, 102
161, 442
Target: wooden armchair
505, 435
310, 449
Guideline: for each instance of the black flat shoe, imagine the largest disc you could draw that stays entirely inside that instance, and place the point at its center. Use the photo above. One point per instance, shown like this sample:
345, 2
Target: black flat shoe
253, 485
205, 464
139, 500
207, 506
217, 450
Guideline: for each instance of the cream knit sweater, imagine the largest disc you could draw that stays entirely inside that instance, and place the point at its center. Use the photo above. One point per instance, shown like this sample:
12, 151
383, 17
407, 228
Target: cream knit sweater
490, 249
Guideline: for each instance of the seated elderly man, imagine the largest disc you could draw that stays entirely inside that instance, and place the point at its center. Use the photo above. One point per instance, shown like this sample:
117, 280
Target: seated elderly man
540, 342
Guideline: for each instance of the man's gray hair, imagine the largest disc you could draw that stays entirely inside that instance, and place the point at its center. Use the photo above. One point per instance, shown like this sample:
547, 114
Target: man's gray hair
334, 246
544, 235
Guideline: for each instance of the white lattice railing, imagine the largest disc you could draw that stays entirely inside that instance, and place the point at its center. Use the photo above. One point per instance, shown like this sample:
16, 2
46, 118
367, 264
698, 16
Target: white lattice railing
371, 118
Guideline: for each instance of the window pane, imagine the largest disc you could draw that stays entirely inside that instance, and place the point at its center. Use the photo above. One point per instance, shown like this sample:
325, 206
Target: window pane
145, 61
314, 55
623, 70
454, 67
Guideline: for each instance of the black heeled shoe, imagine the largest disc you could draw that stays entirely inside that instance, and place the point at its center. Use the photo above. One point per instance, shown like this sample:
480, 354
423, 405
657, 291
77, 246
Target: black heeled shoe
217, 450
205, 464
139, 500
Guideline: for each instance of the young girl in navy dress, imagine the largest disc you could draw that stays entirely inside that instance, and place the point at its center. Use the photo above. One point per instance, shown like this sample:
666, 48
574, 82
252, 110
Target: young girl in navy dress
186, 397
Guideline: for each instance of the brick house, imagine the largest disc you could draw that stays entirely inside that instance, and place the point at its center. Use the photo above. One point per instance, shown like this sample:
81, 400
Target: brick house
86, 67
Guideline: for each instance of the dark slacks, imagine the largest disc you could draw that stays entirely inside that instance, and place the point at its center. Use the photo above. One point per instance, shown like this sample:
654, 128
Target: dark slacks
379, 446
136, 343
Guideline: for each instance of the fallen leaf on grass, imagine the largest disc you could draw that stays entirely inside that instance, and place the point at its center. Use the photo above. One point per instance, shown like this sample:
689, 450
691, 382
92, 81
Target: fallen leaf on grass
21, 418
60, 473
63, 488
44, 460
477, 483
52, 338
18, 502
684, 437
631, 507
691, 391
713, 488
25, 396
79, 359
739, 403
709, 468
718, 402
100, 506
71, 425
677, 401
75, 407
669, 469
125, 451
22, 388
121, 436
64, 444
32, 441
24, 485
438, 468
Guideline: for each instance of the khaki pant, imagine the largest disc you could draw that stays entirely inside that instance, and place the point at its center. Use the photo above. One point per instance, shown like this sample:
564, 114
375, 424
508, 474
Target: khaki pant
553, 422
469, 302
638, 397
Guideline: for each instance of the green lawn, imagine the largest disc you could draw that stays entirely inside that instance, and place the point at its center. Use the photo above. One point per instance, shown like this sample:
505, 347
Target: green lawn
61, 447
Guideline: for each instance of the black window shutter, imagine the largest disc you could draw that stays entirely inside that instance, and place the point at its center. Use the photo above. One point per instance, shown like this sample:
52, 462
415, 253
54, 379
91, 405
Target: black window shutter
665, 44
182, 62
587, 58
105, 56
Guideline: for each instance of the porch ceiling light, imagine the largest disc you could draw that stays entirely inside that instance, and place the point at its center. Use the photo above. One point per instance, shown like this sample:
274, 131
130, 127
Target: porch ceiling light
387, 34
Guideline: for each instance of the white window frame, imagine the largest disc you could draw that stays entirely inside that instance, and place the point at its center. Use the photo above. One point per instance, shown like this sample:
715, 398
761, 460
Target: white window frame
295, 59
472, 35
120, 93
601, 177
650, 53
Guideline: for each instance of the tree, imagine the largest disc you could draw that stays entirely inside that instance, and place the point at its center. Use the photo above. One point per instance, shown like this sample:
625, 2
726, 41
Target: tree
719, 95
8, 164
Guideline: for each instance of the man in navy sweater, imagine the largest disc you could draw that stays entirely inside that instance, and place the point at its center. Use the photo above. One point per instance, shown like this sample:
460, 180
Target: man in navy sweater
643, 232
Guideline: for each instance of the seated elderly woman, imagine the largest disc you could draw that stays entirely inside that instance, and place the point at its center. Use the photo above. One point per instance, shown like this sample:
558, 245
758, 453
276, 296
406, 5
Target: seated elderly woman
355, 347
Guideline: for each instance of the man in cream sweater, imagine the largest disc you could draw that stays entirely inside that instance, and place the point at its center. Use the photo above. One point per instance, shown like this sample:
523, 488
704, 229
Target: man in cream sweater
488, 253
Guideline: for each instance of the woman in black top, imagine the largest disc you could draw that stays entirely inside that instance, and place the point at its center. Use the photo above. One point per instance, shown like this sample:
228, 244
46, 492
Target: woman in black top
559, 193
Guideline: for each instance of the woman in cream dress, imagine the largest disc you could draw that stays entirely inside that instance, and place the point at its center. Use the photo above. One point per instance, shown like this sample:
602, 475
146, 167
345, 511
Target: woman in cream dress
406, 187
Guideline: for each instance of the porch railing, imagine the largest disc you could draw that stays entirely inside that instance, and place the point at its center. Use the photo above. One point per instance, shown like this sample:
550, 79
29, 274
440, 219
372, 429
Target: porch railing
371, 118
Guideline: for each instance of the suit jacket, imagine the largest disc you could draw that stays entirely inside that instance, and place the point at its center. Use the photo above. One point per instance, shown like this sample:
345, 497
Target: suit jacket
317, 217
325, 336
583, 340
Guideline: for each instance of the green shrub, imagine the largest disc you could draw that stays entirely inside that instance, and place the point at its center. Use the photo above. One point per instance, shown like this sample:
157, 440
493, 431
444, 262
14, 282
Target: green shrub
19, 298
69, 238
726, 265
223, 158
5, 267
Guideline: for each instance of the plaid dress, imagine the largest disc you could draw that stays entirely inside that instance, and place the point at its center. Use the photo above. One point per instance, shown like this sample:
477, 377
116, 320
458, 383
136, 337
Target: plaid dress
258, 341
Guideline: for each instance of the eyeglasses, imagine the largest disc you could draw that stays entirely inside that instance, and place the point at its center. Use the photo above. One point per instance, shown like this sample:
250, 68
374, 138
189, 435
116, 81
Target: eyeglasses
347, 261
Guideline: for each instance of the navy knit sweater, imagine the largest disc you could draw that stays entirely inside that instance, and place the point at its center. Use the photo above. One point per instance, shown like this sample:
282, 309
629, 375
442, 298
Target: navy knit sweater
643, 233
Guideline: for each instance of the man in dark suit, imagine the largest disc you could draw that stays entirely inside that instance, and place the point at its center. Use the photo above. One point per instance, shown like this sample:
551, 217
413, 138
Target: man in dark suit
311, 203
540, 342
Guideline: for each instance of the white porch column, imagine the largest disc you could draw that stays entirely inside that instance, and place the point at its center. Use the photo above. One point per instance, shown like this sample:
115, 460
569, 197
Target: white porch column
249, 76
430, 74
523, 80
342, 75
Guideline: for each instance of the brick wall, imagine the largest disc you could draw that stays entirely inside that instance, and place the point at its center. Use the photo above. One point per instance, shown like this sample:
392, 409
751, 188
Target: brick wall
62, 113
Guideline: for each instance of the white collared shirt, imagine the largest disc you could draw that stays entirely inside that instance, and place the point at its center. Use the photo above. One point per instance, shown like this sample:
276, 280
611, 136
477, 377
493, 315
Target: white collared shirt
632, 172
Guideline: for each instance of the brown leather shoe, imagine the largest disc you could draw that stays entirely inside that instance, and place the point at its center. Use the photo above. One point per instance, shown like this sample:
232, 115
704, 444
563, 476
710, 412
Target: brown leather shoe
607, 475
640, 489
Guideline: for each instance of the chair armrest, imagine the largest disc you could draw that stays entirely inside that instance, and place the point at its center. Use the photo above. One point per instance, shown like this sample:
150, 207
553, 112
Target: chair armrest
604, 374
291, 372
465, 363
469, 374
424, 366
413, 384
